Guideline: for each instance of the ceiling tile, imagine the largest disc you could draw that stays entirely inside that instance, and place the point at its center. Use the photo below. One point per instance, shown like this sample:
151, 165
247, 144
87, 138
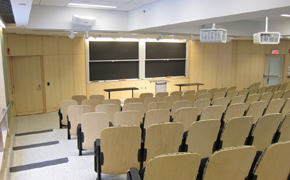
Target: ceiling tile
143, 1
130, 6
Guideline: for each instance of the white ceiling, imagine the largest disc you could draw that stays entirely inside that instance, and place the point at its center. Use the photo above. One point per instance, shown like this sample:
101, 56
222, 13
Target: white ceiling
148, 18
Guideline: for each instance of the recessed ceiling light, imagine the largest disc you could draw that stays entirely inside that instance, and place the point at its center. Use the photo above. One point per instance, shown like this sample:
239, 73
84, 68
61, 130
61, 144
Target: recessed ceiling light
171, 35
285, 15
90, 5
22, 4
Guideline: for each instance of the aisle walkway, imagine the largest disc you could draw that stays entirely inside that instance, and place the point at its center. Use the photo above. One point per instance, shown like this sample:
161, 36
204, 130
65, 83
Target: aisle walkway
41, 151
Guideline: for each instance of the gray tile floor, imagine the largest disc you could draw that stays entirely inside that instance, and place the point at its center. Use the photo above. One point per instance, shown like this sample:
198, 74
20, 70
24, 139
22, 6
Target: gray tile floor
77, 167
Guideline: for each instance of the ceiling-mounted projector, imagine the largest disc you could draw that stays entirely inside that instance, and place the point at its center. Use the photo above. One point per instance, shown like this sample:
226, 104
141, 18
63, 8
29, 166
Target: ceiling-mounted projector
82, 20
213, 35
266, 37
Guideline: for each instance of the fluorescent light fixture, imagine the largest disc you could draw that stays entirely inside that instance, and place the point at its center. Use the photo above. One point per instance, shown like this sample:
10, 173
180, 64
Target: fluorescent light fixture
126, 39
285, 15
90, 5
2, 24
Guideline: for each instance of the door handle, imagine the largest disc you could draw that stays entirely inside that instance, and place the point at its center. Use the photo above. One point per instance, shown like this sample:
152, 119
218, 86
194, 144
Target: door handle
39, 87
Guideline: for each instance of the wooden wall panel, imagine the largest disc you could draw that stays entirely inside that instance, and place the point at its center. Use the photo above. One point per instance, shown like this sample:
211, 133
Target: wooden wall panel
79, 70
66, 77
78, 46
34, 45
243, 71
258, 49
65, 45
211, 48
52, 82
225, 48
257, 68
234, 70
210, 71
196, 66
244, 46
224, 72
197, 47
50, 45
281, 46
17, 44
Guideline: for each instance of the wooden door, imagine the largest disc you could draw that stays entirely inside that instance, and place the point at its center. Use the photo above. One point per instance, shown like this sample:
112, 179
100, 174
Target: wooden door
27, 78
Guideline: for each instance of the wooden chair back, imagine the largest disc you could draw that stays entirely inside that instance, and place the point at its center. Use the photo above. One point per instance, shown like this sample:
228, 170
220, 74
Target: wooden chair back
256, 110
273, 163
149, 100
267, 96
79, 98
232, 88
99, 97
161, 95
186, 116
158, 105
252, 98
244, 92
162, 139
275, 106
63, 105
264, 130
189, 92
235, 110
204, 96
74, 116
230, 163
171, 99
201, 91
212, 91
91, 102
223, 89
277, 95
110, 109
179, 104
135, 107
120, 147
128, 118
189, 97
284, 129
132, 100
156, 116
113, 101
143, 96
236, 131
231, 94
201, 137
173, 166
286, 108
262, 90
238, 99
223, 101
286, 95
177, 93
212, 112
200, 104
218, 95
92, 125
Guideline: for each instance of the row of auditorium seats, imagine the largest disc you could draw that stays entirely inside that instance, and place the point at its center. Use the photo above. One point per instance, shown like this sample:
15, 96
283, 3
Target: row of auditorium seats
180, 110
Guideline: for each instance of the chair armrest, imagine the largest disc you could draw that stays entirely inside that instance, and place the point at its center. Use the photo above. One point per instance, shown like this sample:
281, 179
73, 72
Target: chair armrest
133, 174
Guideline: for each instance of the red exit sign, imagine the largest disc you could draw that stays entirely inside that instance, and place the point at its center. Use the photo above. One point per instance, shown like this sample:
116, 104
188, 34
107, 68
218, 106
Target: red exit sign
275, 51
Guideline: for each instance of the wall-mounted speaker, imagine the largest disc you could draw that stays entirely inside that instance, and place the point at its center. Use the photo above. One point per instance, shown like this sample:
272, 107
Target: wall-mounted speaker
84, 21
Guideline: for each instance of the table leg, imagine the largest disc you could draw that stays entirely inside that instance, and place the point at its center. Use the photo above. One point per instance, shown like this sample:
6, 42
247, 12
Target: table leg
132, 93
179, 88
197, 87
109, 94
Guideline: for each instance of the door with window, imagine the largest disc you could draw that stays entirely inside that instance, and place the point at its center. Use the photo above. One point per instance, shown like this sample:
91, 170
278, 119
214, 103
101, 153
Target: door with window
27, 85
273, 69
